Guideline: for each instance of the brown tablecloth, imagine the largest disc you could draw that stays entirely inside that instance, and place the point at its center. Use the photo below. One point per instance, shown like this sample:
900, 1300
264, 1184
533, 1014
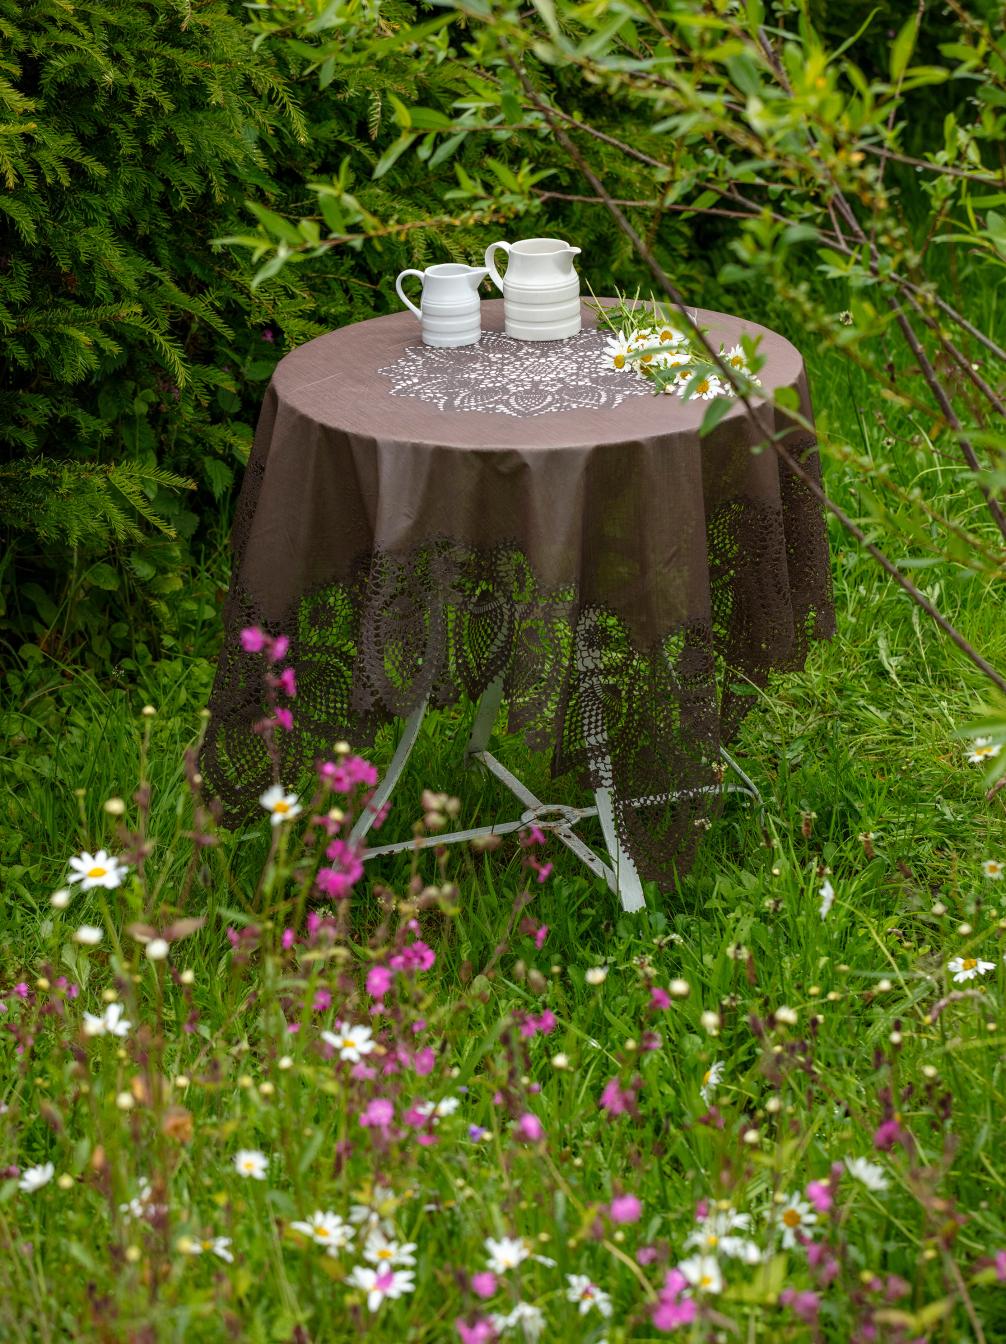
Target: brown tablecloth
423, 521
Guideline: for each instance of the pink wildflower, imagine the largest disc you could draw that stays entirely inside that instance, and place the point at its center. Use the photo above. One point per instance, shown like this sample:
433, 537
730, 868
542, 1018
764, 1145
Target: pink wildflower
287, 682
288, 939
415, 957
646, 1255
378, 981
659, 998
804, 1303
819, 1194
671, 1309
534, 835
378, 1114
484, 1284
540, 934
253, 639
480, 1332
322, 1001
617, 1100
530, 1127
285, 719
888, 1134
424, 1061
279, 648
625, 1209
1000, 1265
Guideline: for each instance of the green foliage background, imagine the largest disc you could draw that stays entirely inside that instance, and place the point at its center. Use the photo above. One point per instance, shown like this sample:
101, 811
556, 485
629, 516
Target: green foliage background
135, 134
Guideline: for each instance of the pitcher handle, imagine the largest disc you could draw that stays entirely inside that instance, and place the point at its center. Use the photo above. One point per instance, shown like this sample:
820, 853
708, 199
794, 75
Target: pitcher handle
494, 273
408, 302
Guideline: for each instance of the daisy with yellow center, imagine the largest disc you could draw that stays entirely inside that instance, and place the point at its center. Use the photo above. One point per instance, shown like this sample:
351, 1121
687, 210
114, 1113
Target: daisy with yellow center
617, 352
704, 389
97, 870
351, 1042
379, 1250
280, 805
710, 1079
587, 1295
968, 968
993, 870
795, 1215
249, 1162
983, 749
703, 1273
326, 1229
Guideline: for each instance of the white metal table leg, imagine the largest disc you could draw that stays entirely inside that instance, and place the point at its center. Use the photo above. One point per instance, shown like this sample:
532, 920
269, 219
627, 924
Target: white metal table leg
383, 791
628, 886
485, 717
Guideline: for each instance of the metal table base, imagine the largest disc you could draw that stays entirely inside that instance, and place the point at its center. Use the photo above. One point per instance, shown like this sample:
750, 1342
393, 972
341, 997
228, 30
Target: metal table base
554, 818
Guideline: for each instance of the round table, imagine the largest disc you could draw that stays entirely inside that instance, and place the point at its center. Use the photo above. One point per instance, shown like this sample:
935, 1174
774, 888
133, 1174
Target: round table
516, 520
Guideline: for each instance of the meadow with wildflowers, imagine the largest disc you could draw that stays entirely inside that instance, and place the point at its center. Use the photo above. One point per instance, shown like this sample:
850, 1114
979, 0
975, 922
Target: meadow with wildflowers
251, 1090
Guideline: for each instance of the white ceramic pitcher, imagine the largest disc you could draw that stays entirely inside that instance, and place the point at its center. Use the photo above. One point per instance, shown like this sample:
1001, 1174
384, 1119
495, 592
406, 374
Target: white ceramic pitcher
450, 310
541, 290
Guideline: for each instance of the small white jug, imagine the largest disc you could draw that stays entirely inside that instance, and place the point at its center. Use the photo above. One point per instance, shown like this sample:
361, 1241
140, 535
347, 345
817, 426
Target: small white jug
451, 310
541, 290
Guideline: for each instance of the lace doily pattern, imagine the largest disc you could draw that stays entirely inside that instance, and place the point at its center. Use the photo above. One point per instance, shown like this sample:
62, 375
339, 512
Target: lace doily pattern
503, 376
446, 619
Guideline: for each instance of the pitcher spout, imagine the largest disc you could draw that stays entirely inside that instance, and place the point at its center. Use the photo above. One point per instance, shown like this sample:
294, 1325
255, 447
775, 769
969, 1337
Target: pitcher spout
476, 274
564, 260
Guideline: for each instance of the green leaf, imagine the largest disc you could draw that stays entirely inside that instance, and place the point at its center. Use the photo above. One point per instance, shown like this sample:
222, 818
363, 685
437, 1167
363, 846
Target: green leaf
715, 412
393, 153
902, 48
275, 224
103, 576
446, 149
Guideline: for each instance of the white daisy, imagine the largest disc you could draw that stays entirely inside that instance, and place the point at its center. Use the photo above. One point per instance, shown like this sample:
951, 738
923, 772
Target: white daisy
734, 358
375, 1213
97, 870
862, 1169
993, 870
617, 352
110, 1023
88, 935
983, 749
142, 1205
707, 387
794, 1216
507, 1253
439, 1109
967, 968
327, 1229
595, 975
281, 806
34, 1178
530, 1320
827, 894
218, 1246
669, 336
379, 1250
715, 1235
381, 1283
250, 1162
703, 1273
580, 1289
710, 1079
643, 344
352, 1042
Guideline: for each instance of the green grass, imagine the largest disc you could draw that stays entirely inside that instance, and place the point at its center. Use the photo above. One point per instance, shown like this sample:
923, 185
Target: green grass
863, 741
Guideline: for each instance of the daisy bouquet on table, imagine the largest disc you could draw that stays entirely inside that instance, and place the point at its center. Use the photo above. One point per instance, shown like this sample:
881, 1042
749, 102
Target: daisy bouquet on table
647, 339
